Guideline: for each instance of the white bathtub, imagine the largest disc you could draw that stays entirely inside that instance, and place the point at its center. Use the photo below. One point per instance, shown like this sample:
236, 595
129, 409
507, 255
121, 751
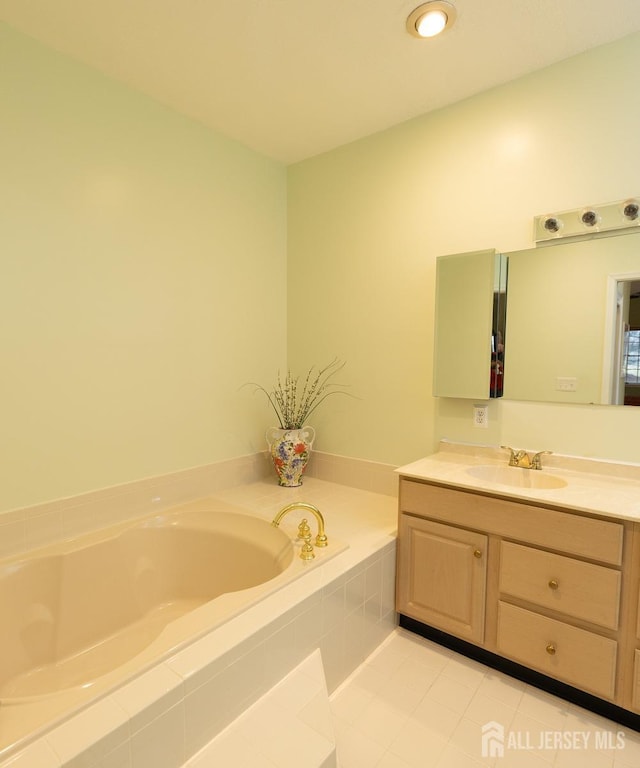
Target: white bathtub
82, 617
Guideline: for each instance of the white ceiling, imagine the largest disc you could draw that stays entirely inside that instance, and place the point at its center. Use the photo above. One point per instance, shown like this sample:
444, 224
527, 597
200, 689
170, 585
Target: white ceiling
294, 78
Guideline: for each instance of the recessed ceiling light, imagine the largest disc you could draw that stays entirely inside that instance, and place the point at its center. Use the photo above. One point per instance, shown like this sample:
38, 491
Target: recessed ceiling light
429, 19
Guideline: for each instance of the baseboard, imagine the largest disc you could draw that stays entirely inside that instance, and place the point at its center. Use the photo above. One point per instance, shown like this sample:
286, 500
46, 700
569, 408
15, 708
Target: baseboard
526, 675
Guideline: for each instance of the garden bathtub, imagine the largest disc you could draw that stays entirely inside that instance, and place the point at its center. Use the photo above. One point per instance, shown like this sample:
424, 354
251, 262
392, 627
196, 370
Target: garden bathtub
83, 616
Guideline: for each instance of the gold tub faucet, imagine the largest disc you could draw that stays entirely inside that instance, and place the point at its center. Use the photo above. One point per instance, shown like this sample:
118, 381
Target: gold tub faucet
525, 460
321, 538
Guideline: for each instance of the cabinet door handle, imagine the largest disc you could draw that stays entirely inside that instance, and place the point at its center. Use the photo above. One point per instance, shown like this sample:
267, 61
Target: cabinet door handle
477, 553
551, 649
553, 584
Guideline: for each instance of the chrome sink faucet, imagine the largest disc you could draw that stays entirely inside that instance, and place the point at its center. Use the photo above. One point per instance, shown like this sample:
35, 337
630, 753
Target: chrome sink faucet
525, 460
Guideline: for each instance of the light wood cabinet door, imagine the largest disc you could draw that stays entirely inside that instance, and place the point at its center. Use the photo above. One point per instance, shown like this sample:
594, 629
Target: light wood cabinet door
442, 576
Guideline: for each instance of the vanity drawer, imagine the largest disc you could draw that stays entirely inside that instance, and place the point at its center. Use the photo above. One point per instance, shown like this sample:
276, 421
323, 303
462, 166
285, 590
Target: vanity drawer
572, 534
578, 589
582, 659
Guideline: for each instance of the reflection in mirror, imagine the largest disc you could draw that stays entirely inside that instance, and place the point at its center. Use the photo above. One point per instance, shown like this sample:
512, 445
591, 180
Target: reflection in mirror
570, 331
498, 326
469, 325
621, 364
631, 358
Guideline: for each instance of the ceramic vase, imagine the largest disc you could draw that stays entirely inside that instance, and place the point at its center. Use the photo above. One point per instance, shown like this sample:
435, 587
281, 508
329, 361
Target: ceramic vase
290, 449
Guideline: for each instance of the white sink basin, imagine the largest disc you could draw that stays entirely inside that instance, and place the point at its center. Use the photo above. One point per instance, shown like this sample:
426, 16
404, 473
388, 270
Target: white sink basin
516, 476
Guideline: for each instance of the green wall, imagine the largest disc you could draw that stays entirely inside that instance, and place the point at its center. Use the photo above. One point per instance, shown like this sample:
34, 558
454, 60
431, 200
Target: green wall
150, 267
141, 271
368, 220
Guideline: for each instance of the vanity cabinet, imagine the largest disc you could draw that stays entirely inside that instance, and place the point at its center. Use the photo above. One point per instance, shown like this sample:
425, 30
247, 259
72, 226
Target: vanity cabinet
554, 590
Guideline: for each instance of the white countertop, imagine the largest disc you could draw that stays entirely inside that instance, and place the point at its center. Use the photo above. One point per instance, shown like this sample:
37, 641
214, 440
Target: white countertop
600, 487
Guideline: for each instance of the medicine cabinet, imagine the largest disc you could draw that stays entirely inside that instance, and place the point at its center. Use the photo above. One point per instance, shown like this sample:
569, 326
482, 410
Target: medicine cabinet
470, 310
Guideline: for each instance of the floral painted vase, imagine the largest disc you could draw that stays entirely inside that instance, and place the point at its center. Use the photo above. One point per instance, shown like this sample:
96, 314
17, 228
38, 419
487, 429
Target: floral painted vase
290, 449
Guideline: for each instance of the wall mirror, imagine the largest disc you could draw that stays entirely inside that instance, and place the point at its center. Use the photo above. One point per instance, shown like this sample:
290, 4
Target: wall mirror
570, 318
572, 323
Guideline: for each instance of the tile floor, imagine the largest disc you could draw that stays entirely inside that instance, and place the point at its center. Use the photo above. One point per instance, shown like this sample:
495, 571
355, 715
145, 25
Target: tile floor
414, 704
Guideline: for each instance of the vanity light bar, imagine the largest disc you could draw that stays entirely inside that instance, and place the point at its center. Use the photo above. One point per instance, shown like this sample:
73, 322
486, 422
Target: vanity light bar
587, 222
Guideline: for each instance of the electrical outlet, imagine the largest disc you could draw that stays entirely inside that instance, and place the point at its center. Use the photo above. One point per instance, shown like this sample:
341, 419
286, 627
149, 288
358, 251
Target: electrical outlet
481, 416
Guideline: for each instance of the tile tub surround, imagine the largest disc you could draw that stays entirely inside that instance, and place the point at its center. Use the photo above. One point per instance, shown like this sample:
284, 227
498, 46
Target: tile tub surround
37, 526
28, 528
345, 607
366, 475
291, 725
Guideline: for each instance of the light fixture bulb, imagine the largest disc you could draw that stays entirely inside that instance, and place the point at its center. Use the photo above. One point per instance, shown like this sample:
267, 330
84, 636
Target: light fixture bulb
432, 23
431, 18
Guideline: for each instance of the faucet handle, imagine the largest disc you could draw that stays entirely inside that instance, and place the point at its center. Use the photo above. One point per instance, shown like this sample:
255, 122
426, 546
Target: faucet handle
514, 456
304, 533
536, 459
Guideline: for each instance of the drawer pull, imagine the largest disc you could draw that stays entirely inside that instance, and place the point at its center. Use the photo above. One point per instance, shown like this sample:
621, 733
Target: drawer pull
553, 584
477, 553
551, 649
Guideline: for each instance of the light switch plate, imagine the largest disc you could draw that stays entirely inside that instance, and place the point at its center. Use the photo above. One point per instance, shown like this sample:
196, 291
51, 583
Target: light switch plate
566, 383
